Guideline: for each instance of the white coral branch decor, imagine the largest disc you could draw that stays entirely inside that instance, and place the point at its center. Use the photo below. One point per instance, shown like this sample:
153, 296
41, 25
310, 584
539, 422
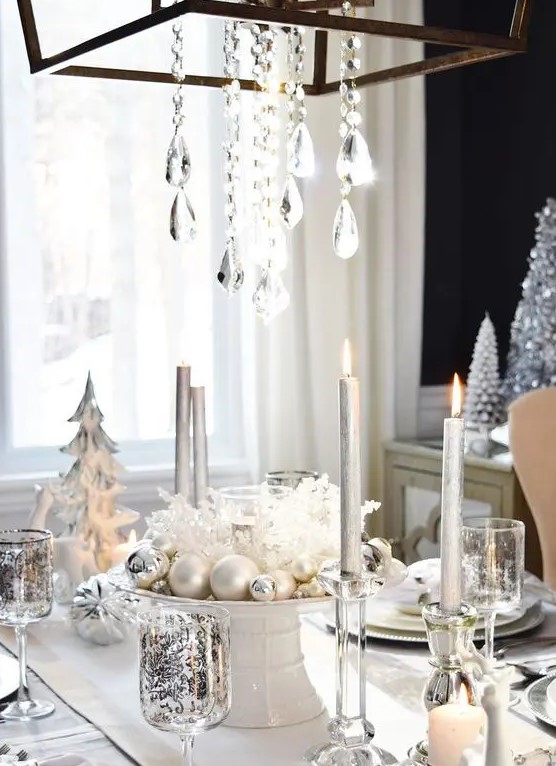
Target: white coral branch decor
300, 522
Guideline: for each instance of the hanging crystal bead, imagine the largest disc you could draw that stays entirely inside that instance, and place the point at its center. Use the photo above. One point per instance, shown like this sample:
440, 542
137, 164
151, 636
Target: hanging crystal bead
182, 219
270, 297
230, 274
178, 163
291, 205
345, 233
354, 162
301, 152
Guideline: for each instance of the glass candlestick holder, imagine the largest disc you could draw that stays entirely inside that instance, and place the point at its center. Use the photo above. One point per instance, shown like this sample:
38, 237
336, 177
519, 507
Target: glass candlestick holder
449, 635
351, 734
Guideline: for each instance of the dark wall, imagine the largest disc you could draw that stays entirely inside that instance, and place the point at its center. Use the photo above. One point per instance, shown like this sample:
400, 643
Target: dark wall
491, 162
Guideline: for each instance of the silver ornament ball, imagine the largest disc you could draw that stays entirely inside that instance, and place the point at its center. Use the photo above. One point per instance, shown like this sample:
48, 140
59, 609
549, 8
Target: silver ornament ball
231, 577
189, 576
285, 584
146, 565
304, 568
263, 588
373, 560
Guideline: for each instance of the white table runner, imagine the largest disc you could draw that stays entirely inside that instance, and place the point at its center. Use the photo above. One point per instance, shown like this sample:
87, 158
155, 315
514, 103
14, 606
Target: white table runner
101, 683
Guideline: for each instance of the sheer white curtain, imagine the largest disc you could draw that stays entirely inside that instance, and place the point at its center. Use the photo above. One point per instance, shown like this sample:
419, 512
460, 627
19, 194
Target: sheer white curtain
375, 299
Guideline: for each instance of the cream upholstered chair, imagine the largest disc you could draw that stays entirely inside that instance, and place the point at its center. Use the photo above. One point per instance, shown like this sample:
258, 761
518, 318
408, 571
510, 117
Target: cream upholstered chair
533, 445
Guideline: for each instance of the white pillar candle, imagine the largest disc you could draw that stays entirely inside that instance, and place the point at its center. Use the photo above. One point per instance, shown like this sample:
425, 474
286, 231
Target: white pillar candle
200, 449
120, 552
452, 729
350, 469
452, 494
182, 485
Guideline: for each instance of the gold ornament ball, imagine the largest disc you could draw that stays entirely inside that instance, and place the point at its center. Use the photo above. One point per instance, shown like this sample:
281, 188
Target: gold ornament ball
231, 577
189, 576
263, 588
164, 543
285, 584
304, 568
315, 589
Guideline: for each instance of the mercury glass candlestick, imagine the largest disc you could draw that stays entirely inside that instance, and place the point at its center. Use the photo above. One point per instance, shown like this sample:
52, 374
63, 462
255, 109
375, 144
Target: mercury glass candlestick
452, 493
182, 483
351, 734
449, 635
200, 447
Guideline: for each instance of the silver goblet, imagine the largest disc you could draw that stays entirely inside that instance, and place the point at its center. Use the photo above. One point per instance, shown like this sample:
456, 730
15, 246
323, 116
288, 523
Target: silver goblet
25, 597
184, 670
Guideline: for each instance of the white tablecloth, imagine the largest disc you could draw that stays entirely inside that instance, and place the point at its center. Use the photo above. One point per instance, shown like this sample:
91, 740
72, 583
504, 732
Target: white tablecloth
101, 684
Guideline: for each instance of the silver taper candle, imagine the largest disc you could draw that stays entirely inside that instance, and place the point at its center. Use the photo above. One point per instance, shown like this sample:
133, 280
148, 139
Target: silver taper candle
200, 450
452, 494
350, 470
182, 483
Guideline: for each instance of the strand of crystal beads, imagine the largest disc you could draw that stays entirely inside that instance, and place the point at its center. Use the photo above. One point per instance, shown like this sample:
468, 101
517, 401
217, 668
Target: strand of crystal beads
300, 157
270, 296
178, 162
354, 165
231, 273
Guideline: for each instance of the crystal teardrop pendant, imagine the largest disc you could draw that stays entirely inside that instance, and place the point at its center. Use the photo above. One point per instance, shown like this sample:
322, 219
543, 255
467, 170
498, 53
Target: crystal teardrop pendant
345, 235
182, 219
270, 297
301, 155
230, 274
291, 205
178, 162
354, 162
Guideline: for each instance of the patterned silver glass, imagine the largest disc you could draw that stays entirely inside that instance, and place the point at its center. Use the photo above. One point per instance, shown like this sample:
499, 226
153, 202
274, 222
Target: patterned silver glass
493, 565
184, 670
25, 597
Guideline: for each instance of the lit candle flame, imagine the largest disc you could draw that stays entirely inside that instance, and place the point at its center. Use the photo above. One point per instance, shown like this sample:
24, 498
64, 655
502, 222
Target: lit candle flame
456, 397
132, 538
463, 697
347, 359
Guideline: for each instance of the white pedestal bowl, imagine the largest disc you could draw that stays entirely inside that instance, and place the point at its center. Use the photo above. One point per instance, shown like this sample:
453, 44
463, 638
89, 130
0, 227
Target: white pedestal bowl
270, 686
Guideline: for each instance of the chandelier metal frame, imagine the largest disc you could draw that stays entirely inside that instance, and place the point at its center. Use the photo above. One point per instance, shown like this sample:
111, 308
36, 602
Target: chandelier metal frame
473, 47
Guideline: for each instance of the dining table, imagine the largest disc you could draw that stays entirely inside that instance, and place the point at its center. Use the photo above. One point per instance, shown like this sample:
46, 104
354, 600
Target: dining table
98, 719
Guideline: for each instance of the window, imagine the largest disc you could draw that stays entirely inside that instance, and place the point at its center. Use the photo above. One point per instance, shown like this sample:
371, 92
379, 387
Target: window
91, 278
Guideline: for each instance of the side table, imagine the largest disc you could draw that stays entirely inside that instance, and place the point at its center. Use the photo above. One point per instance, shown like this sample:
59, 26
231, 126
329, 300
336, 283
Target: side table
413, 475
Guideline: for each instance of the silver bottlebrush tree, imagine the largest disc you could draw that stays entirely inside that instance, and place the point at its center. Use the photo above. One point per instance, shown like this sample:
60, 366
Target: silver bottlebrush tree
483, 408
532, 355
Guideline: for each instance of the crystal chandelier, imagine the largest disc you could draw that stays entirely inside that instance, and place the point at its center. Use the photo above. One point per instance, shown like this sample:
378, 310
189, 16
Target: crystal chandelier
270, 207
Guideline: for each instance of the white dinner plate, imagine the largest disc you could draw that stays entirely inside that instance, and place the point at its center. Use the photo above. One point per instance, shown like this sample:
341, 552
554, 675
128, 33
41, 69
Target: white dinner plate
536, 698
551, 697
532, 618
9, 676
387, 615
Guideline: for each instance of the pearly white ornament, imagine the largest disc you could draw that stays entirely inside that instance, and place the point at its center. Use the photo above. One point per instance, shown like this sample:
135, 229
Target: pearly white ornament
315, 589
304, 568
285, 584
164, 543
263, 588
189, 576
231, 577
146, 565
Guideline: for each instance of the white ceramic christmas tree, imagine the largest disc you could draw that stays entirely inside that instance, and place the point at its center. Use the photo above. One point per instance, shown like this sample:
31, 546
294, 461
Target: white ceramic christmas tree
85, 500
483, 407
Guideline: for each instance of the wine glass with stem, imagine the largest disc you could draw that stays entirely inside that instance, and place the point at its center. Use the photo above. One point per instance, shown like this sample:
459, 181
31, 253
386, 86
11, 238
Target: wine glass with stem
493, 566
184, 670
25, 597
